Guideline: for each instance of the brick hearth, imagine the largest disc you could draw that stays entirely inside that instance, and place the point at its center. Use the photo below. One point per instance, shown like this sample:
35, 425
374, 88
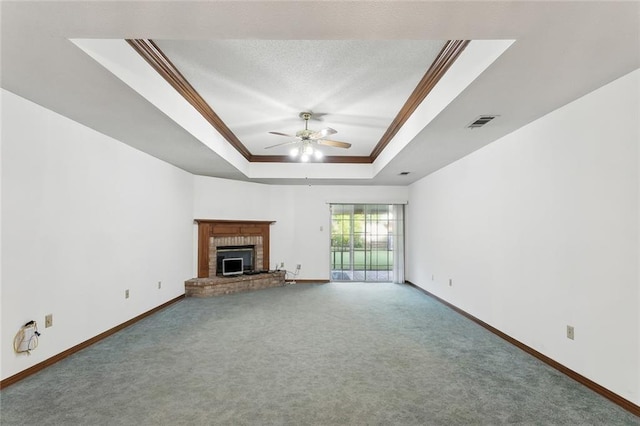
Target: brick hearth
219, 286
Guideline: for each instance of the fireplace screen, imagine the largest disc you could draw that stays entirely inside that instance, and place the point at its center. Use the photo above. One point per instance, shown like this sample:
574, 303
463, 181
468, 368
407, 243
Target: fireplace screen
247, 253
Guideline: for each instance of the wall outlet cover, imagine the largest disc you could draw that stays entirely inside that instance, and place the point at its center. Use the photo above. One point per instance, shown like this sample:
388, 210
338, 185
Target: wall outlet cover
570, 332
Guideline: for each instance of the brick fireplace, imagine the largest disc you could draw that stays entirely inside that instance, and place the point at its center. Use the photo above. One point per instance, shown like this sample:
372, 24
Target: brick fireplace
214, 234
216, 238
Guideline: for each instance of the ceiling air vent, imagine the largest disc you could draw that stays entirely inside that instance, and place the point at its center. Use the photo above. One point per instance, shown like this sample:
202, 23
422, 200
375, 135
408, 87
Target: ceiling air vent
481, 121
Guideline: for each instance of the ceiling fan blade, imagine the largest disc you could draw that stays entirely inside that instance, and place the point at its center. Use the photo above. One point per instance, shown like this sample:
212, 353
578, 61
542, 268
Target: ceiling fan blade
281, 144
323, 133
282, 134
336, 144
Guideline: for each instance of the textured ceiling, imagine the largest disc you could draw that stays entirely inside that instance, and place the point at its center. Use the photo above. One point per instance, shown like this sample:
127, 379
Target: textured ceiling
356, 87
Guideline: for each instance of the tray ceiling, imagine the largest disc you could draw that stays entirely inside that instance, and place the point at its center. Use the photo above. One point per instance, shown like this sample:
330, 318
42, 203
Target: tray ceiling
525, 59
356, 87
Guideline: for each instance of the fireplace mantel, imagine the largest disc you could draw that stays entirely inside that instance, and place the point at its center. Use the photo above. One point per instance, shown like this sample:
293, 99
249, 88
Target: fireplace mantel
212, 228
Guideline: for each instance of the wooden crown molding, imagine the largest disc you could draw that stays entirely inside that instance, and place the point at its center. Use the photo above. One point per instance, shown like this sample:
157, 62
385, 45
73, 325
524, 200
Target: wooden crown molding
326, 159
447, 56
161, 63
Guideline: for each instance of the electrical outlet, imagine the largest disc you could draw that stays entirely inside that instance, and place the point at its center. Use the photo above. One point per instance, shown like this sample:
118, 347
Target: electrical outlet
298, 266
126, 294
282, 264
570, 332
159, 285
450, 282
48, 321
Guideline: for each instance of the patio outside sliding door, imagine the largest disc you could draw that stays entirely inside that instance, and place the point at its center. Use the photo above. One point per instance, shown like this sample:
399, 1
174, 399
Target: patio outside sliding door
367, 242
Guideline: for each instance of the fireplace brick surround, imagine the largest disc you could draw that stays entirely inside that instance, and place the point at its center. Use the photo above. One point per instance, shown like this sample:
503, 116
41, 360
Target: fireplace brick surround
218, 233
214, 233
253, 240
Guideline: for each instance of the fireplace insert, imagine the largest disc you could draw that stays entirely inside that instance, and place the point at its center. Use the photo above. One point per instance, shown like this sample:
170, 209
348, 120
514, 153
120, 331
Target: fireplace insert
246, 253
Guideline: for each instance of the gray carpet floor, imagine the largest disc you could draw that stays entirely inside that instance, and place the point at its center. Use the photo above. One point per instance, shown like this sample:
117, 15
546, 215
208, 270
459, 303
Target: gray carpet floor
306, 354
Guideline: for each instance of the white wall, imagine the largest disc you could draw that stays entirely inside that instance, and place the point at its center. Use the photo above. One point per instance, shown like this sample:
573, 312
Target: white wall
540, 230
301, 234
305, 234
84, 217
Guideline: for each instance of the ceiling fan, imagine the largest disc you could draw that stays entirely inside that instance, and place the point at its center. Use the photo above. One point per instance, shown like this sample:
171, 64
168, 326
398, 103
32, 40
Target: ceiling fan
307, 140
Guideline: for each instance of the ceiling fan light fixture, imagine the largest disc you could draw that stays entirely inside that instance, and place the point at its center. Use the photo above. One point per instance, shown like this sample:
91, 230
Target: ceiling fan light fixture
308, 140
308, 149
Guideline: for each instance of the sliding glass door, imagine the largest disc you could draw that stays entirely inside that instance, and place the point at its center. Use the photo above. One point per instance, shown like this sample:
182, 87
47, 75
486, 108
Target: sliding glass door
366, 241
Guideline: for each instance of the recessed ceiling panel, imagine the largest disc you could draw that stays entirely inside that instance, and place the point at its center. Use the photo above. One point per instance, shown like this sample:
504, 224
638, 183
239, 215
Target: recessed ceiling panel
356, 87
